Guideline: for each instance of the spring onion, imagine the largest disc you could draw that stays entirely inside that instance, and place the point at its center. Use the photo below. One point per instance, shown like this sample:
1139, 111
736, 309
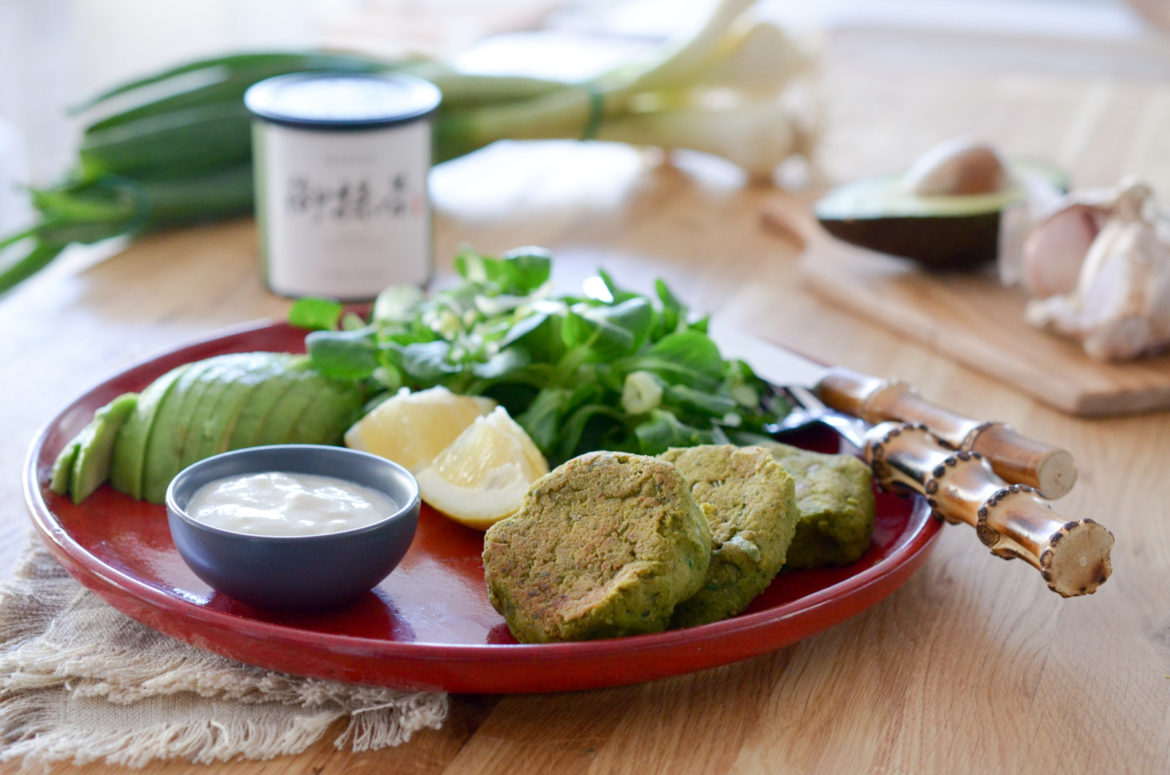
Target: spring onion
174, 147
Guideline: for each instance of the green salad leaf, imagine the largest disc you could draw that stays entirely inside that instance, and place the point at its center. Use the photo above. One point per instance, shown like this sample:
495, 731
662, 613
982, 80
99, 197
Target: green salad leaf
315, 313
618, 370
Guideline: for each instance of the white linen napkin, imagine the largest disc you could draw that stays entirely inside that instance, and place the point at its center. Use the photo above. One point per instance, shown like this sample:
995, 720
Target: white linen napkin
81, 681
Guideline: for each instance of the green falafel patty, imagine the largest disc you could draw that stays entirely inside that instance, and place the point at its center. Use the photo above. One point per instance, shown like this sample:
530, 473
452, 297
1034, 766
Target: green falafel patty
604, 545
750, 504
834, 498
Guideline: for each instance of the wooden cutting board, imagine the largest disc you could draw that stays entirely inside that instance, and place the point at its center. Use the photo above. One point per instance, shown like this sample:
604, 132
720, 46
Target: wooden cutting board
973, 319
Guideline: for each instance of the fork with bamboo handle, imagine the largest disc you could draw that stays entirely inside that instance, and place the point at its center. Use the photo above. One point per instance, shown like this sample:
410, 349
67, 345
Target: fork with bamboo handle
1014, 457
826, 391
1012, 520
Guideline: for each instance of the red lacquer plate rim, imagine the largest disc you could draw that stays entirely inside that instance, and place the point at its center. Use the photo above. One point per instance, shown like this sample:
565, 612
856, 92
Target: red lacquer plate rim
487, 667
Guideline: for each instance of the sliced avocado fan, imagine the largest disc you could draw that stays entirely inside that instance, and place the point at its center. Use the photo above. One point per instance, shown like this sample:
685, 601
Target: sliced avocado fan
140, 441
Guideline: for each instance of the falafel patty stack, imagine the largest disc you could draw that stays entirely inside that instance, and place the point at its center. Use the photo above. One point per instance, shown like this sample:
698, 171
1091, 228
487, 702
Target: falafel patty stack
749, 501
604, 545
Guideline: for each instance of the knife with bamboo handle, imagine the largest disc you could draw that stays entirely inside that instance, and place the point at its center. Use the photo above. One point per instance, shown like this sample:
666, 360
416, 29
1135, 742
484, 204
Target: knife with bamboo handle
1012, 520
1014, 457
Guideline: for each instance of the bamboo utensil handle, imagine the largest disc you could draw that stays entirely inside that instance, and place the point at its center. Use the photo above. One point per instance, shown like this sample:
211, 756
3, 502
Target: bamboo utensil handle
1012, 520
1016, 458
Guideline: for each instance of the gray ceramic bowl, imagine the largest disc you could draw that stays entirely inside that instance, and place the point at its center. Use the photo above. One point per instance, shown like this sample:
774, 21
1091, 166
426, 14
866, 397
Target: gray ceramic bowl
295, 572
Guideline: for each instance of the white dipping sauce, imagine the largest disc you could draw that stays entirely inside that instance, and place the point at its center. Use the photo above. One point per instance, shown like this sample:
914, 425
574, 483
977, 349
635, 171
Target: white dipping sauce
288, 504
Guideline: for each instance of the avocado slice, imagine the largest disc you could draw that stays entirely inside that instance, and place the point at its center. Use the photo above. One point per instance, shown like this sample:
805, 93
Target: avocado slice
277, 426
203, 422
223, 383
164, 448
335, 407
63, 467
129, 456
176, 432
939, 231
95, 446
253, 374
264, 399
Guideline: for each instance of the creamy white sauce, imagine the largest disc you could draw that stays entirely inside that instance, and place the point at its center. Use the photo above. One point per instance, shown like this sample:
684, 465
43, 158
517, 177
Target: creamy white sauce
288, 504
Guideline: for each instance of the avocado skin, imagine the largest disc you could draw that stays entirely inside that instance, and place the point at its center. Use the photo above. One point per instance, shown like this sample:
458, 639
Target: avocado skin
950, 242
130, 447
939, 232
95, 446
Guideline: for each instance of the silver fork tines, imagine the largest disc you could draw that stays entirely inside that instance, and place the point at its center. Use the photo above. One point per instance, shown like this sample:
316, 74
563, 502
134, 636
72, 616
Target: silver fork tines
807, 410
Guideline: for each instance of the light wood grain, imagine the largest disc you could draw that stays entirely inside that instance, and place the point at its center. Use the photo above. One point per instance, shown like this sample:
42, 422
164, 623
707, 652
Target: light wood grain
975, 320
972, 667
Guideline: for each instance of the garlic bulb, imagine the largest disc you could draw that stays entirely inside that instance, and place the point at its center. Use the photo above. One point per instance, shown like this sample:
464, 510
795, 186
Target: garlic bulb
1119, 305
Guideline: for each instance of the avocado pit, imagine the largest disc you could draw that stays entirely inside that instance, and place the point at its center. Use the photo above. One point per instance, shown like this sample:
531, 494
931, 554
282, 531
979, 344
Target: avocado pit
957, 168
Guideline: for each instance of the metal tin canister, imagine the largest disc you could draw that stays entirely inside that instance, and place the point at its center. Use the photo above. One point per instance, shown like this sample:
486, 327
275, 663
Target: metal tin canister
340, 164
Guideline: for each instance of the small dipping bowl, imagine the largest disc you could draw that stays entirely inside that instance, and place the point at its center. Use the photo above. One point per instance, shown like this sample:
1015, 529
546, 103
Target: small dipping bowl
299, 572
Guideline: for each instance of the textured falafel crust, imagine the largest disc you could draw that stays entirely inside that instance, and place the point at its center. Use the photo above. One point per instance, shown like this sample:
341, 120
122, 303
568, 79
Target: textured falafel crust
750, 504
834, 498
604, 545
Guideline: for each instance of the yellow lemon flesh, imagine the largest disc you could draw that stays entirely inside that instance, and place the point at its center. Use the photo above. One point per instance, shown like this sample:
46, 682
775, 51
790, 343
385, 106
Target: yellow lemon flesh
413, 428
482, 476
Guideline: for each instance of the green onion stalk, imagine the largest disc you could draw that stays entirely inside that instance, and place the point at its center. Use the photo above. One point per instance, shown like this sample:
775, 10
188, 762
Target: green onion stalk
175, 147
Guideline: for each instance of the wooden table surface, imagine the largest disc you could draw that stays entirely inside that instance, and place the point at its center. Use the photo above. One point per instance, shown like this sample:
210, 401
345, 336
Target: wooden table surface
972, 666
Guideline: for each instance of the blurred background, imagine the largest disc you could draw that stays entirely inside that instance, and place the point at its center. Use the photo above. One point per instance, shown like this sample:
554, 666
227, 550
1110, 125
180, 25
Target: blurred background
54, 53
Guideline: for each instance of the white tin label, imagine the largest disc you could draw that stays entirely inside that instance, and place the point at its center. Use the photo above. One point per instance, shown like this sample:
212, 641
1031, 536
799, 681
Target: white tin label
343, 214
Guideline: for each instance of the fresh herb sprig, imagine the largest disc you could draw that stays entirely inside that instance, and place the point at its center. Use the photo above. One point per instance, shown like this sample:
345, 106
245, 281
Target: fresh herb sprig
612, 370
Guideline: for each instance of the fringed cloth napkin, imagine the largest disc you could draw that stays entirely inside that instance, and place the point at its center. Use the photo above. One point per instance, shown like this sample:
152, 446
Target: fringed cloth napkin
81, 681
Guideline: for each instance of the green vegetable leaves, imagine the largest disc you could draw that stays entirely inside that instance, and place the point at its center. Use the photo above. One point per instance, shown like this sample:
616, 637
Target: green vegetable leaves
616, 370
522, 271
348, 355
608, 331
686, 357
315, 313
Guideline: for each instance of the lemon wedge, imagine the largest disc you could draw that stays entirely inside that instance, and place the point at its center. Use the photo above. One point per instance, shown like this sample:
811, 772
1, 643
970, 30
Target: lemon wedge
482, 476
413, 428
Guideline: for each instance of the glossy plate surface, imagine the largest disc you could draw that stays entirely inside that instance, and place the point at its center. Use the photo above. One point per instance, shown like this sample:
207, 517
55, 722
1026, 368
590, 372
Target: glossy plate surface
429, 624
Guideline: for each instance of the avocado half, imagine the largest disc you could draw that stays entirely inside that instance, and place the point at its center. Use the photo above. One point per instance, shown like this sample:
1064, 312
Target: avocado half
939, 231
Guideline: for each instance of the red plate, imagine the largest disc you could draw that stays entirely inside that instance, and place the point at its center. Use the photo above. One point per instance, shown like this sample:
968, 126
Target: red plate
429, 624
